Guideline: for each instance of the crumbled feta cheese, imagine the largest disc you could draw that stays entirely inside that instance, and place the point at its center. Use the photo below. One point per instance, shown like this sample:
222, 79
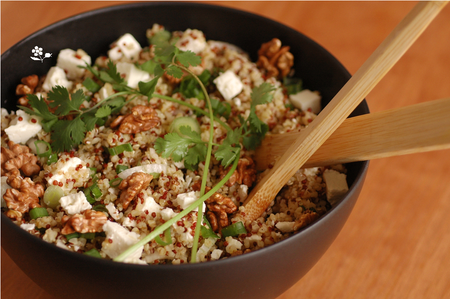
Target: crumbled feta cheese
68, 169
168, 214
285, 226
69, 60
148, 205
336, 185
106, 91
243, 192
126, 46
28, 226
132, 74
306, 99
4, 187
205, 248
113, 212
75, 203
229, 85
50, 235
118, 239
127, 222
192, 40
216, 254
233, 245
56, 76
184, 200
148, 168
22, 128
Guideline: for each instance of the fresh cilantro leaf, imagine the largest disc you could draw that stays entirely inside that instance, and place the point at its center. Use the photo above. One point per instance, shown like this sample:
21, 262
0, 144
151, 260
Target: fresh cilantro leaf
262, 94
220, 108
165, 51
91, 85
255, 123
149, 66
91, 69
188, 58
148, 88
174, 71
59, 98
47, 125
253, 140
195, 155
110, 75
67, 134
190, 88
116, 104
103, 111
229, 150
40, 107
172, 146
90, 120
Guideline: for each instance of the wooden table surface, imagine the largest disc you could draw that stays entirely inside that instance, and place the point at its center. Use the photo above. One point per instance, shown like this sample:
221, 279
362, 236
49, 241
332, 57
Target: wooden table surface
396, 243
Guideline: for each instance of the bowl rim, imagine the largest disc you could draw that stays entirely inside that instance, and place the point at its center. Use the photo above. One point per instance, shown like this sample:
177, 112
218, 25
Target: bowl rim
358, 180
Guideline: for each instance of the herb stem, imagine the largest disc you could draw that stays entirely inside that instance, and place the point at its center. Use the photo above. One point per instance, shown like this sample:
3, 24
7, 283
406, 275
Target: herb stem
160, 229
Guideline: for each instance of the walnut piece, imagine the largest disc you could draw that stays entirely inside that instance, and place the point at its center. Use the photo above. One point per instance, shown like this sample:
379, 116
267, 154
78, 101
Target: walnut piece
275, 60
18, 157
305, 219
142, 118
131, 186
24, 194
28, 85
89, 221
245, 173
219, 207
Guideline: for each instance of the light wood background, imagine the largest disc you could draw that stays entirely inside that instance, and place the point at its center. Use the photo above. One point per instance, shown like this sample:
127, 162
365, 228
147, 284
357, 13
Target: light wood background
396, 243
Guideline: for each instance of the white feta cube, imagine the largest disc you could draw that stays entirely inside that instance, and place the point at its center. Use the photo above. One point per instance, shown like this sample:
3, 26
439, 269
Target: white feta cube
184, 200
216, 254
192, 40
132, 74
229, 85
118, 239
285, 226
233, 245
306, 99
113, 212
167, 214
148, 207
56, 76
336, 185
69, 60
75, 203
22, 128
106, 91
126, 46
28, 226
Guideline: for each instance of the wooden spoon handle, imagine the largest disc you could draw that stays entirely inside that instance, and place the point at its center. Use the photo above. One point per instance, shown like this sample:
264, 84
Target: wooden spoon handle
340, 107
413, 129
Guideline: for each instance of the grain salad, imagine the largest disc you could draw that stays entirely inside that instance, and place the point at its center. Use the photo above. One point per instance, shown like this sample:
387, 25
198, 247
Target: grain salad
123, 156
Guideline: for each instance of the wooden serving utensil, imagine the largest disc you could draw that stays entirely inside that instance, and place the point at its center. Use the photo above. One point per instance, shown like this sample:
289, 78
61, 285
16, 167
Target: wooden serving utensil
413, 129
340, 107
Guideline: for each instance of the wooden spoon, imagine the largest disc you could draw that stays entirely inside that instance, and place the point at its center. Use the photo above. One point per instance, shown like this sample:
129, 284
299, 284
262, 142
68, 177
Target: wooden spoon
413, 129
340, 107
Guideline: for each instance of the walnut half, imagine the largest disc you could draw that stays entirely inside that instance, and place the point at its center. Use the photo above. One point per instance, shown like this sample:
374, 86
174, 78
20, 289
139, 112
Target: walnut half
131, 186
142, 118
275, 60
88, 222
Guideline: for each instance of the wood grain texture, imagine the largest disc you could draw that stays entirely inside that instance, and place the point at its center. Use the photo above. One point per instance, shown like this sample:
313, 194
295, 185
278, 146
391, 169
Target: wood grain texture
396, 243
339, 108
413, 129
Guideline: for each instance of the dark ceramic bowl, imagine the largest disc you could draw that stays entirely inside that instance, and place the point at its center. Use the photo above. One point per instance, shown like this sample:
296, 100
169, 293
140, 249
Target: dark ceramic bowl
265, 273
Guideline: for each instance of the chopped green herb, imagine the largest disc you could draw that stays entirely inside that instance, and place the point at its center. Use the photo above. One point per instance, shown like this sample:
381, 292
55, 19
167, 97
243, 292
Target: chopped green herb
233, 230
167, 238
93, 252
126, 147
91, 85
120, 168
38, 213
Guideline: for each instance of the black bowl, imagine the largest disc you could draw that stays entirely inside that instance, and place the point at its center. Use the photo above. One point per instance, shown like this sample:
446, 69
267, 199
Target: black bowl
265, 273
